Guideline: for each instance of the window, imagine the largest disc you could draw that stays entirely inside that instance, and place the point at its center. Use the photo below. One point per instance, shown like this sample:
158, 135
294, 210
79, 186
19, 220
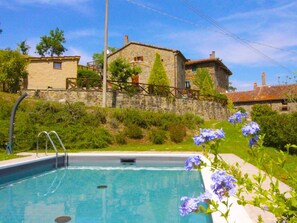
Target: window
194, 68
58, 65
138, 59
188, 84
284, 106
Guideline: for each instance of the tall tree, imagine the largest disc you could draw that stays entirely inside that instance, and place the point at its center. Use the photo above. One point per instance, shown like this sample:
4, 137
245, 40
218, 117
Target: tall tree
203, 81
23, 48
12, 70
98, 58
159, 77
52, 44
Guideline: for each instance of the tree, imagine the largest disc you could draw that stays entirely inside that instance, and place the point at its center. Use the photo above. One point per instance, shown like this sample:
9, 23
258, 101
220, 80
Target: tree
231, 88
99, 57
23, 48
158, 77
12, 70
52, 44
204, 82
121, 71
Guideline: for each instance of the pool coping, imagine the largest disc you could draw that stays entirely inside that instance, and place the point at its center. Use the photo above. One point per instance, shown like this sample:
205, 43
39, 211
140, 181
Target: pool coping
240, 214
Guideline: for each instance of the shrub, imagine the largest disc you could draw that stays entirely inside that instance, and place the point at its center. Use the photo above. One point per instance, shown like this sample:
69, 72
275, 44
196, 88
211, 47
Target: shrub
192, 121
177, 132
120, 138
158, 136
259, 110
88, 78
95, 138
241, 109
279, 130
134, 132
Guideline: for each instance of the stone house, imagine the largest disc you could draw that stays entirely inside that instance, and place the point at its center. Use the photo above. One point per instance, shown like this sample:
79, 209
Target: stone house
281, 98
143, 55
217, 69
50, 72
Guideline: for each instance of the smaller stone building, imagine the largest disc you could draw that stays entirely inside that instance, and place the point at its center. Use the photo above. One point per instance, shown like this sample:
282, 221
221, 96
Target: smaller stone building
217, 69
50, 72
281, 98
143, 55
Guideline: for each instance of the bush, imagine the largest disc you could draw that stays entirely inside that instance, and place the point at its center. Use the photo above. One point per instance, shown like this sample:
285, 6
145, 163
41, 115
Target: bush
241, 109
260, 110
158, 136
177, 132
120, 138
279, 129
134, 132
88, 78
192, 121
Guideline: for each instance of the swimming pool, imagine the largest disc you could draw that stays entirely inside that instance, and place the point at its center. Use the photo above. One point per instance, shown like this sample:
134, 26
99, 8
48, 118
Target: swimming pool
144, 191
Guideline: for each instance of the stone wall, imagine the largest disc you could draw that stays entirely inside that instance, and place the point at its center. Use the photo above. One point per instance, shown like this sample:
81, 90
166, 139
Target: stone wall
275, 105
207, 110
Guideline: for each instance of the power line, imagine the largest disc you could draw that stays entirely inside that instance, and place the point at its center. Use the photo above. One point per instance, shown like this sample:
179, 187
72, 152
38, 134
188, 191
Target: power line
232, 35
221, 29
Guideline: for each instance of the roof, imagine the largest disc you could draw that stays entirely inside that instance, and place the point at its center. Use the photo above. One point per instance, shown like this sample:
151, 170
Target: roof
148, 45
54, 58
264, 93
209, 60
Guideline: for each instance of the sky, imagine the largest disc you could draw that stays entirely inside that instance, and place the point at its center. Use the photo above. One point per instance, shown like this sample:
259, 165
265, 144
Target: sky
250, 36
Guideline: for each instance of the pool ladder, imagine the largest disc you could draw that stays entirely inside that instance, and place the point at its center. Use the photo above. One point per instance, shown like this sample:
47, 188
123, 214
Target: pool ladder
48, 138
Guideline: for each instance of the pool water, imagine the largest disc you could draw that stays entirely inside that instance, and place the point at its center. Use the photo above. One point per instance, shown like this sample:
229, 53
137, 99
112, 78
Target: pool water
88, 194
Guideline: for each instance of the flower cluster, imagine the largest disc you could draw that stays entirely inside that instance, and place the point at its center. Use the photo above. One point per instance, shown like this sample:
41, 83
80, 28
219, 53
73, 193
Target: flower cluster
223, 184
191, 204
238, 117
207, 135
252, 129
193, 161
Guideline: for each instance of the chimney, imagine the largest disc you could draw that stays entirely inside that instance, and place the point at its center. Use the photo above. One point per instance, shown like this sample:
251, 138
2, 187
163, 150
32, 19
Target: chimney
126, 39
255, 85
263, 78
212, 55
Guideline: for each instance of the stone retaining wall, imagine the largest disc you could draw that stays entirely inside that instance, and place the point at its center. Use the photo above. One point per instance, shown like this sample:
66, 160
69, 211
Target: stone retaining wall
206, 109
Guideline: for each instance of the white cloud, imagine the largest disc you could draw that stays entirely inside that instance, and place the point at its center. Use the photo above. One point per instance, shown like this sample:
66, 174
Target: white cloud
84, 56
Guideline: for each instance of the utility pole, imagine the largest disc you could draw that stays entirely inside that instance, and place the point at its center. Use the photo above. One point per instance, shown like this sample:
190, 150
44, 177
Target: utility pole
104, 92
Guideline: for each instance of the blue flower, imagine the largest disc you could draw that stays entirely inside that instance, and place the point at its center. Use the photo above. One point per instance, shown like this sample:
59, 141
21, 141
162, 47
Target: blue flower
250, 129
223, 184
237, 117
206, 196
253, 141
207, 135
193, 161
188, 206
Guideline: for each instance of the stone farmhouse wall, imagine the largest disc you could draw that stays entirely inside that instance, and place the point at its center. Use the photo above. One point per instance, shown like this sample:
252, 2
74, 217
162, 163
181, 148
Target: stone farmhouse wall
43, 75
218, 74
207, 110
275, 105
143, 56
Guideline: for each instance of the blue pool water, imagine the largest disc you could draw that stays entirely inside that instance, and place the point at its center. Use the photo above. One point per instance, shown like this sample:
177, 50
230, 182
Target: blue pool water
126, 194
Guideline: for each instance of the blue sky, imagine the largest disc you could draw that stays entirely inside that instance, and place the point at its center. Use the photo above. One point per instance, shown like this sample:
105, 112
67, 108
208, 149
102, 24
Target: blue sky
250, 36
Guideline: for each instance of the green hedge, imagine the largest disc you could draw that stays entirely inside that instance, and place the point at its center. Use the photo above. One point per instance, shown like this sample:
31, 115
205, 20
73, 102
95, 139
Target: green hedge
279, 129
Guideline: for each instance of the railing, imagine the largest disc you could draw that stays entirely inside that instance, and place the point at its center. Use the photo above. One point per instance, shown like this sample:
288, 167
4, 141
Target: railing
48, 138
140, 88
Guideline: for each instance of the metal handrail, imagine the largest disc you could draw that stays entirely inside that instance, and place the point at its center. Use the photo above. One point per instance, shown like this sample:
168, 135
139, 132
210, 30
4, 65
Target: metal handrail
65, 151
51, 141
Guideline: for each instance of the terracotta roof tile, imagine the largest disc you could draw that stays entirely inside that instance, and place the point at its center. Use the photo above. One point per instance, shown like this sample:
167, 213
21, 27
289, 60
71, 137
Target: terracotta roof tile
264, 93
